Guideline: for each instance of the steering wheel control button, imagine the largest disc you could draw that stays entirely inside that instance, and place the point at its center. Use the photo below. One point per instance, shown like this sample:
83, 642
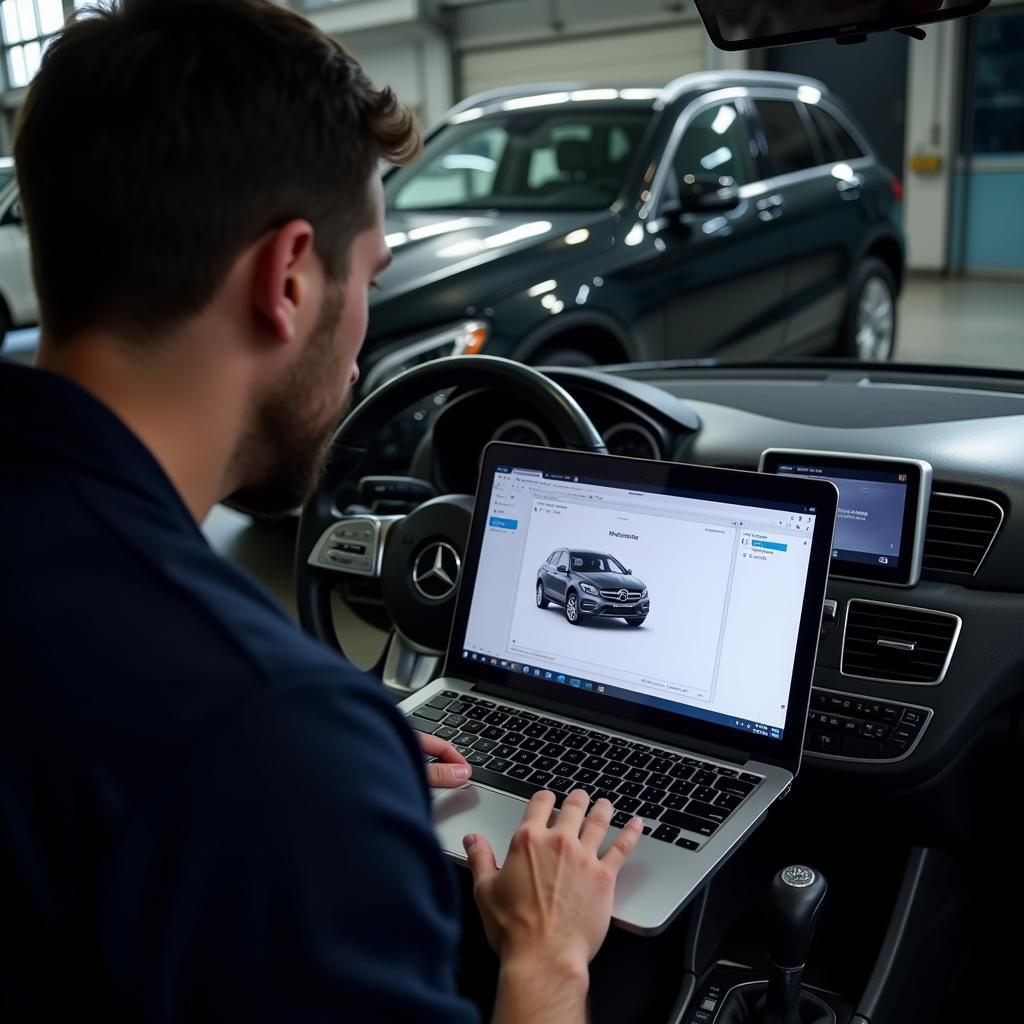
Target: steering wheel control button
865, 730
353, 545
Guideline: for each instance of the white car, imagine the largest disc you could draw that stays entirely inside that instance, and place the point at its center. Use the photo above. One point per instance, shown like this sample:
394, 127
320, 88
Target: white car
18, 307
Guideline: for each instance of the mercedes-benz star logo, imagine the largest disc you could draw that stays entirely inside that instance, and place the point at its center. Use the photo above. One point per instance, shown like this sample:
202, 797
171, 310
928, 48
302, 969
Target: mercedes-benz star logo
435, 572
623, 594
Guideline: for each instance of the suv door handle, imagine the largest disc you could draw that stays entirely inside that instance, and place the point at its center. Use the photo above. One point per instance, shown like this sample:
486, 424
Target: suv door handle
849, 189
770, 208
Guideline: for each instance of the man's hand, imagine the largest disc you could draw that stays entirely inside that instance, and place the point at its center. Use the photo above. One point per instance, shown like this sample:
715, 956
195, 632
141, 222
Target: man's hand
548, 909
450, 770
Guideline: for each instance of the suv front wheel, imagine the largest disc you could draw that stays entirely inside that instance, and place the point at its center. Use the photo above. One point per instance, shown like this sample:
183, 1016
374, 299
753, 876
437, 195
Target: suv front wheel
868, 332
572, 608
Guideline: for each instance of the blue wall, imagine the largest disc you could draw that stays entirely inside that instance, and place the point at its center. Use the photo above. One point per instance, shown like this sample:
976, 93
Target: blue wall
995, 219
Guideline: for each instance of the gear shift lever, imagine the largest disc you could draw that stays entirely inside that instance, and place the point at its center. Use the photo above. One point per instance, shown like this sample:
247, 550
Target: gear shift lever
796, 896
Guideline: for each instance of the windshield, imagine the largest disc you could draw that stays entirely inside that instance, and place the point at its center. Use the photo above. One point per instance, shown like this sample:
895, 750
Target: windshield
859, 203
586, 561
535, 160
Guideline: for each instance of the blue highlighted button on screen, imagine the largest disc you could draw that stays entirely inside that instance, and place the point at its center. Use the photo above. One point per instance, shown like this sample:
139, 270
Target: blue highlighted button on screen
767, 545
504, 524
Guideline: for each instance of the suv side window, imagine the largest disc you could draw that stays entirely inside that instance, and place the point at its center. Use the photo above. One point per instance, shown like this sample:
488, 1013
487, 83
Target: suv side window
837, 141
790, 147
718, 142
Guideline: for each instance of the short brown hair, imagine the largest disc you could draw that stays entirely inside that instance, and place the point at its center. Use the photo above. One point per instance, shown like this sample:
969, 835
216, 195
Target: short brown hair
162, 137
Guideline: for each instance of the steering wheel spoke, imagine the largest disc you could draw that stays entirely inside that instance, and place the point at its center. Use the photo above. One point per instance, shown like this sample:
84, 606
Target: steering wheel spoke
353, 545
409, 667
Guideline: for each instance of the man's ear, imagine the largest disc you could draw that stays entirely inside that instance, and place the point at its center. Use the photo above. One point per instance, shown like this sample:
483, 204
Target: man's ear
284, 281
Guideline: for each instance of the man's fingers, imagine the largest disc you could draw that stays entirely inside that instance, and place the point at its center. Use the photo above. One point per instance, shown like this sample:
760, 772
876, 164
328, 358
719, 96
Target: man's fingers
440, 748
447, 776
538, 810
574, 807
595, 828
480, 857
625, 843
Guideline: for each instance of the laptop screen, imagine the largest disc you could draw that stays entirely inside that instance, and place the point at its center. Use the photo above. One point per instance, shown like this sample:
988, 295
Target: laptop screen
679, 600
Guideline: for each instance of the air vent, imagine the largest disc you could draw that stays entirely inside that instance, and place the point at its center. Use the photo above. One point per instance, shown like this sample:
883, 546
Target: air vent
897, 643
960, 531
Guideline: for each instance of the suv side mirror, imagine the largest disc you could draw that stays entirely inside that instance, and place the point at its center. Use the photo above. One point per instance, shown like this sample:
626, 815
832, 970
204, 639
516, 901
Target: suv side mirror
629, 572
707, 193
13, 214
564, 568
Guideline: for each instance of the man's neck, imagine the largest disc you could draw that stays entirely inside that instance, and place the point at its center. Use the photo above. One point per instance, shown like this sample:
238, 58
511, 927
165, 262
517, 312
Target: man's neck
177, 400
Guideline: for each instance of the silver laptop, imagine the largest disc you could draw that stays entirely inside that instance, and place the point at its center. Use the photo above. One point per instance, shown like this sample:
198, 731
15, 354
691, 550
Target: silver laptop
644, 630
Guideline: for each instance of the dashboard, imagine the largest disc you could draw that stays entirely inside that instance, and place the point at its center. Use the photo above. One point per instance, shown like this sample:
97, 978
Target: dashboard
908, 680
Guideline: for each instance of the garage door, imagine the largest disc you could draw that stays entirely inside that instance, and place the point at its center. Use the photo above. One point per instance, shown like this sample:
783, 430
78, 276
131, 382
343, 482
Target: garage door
654, 56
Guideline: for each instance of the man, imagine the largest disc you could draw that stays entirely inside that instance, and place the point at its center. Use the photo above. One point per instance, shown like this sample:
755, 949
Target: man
203, 814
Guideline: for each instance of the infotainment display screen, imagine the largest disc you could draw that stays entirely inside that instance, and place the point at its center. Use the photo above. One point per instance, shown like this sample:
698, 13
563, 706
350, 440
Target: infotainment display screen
883, 503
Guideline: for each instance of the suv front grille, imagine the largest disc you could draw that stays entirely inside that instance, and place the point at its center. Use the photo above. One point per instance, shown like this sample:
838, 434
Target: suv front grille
616, 595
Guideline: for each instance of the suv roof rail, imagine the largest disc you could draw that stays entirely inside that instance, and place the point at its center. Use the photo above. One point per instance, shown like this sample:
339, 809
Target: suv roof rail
702, 79
509, 92
665, 94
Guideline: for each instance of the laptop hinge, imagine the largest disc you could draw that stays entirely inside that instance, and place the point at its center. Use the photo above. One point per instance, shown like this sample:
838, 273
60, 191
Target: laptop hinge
648, 732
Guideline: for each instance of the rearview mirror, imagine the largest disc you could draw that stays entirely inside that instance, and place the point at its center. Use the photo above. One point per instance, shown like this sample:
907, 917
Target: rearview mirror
706, 193
564, 568
735, 25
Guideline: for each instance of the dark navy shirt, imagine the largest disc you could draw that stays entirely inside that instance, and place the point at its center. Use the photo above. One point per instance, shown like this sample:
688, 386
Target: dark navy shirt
204, 814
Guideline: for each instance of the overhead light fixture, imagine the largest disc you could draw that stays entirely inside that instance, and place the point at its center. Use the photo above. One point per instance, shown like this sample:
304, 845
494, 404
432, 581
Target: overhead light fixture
544, 286
577, 237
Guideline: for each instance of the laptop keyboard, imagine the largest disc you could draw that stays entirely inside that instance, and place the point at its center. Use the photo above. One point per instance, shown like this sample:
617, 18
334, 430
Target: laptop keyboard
522, 752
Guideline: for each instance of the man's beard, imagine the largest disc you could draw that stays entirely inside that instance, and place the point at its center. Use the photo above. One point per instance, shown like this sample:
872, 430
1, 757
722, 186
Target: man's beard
292, 429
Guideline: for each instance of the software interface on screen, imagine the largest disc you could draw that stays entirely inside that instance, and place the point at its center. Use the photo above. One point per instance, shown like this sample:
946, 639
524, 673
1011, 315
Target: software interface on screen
689, 603
869, 522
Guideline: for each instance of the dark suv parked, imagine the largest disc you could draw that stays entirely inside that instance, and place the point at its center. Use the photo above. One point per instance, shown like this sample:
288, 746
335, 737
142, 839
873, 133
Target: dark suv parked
740, 215
590, 583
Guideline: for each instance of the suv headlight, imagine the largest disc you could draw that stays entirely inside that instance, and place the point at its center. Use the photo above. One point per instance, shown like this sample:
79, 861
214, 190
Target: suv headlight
465, 338
588, 589
643, 593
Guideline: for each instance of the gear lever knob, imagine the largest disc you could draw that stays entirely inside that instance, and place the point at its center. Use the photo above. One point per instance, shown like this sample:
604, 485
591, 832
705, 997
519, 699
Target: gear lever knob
796, 896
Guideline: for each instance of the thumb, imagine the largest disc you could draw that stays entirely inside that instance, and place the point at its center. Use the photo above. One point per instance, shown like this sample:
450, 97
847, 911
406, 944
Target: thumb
481, 858
447, 776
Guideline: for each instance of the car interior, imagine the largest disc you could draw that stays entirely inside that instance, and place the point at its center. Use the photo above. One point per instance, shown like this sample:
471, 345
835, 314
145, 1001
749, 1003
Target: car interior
890, 872
909, 835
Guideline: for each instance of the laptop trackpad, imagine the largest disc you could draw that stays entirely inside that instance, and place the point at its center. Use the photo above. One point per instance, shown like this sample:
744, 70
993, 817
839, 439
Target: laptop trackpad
457, 812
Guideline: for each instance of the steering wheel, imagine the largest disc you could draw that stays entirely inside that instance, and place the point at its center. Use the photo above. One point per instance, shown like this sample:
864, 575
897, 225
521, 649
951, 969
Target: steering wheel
414, 560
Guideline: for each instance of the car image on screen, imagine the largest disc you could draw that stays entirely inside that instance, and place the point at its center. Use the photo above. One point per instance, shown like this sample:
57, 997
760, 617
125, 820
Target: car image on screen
588, 584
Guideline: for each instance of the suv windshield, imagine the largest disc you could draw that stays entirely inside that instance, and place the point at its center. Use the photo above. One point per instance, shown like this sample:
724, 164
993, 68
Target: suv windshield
540, 160
585, 561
